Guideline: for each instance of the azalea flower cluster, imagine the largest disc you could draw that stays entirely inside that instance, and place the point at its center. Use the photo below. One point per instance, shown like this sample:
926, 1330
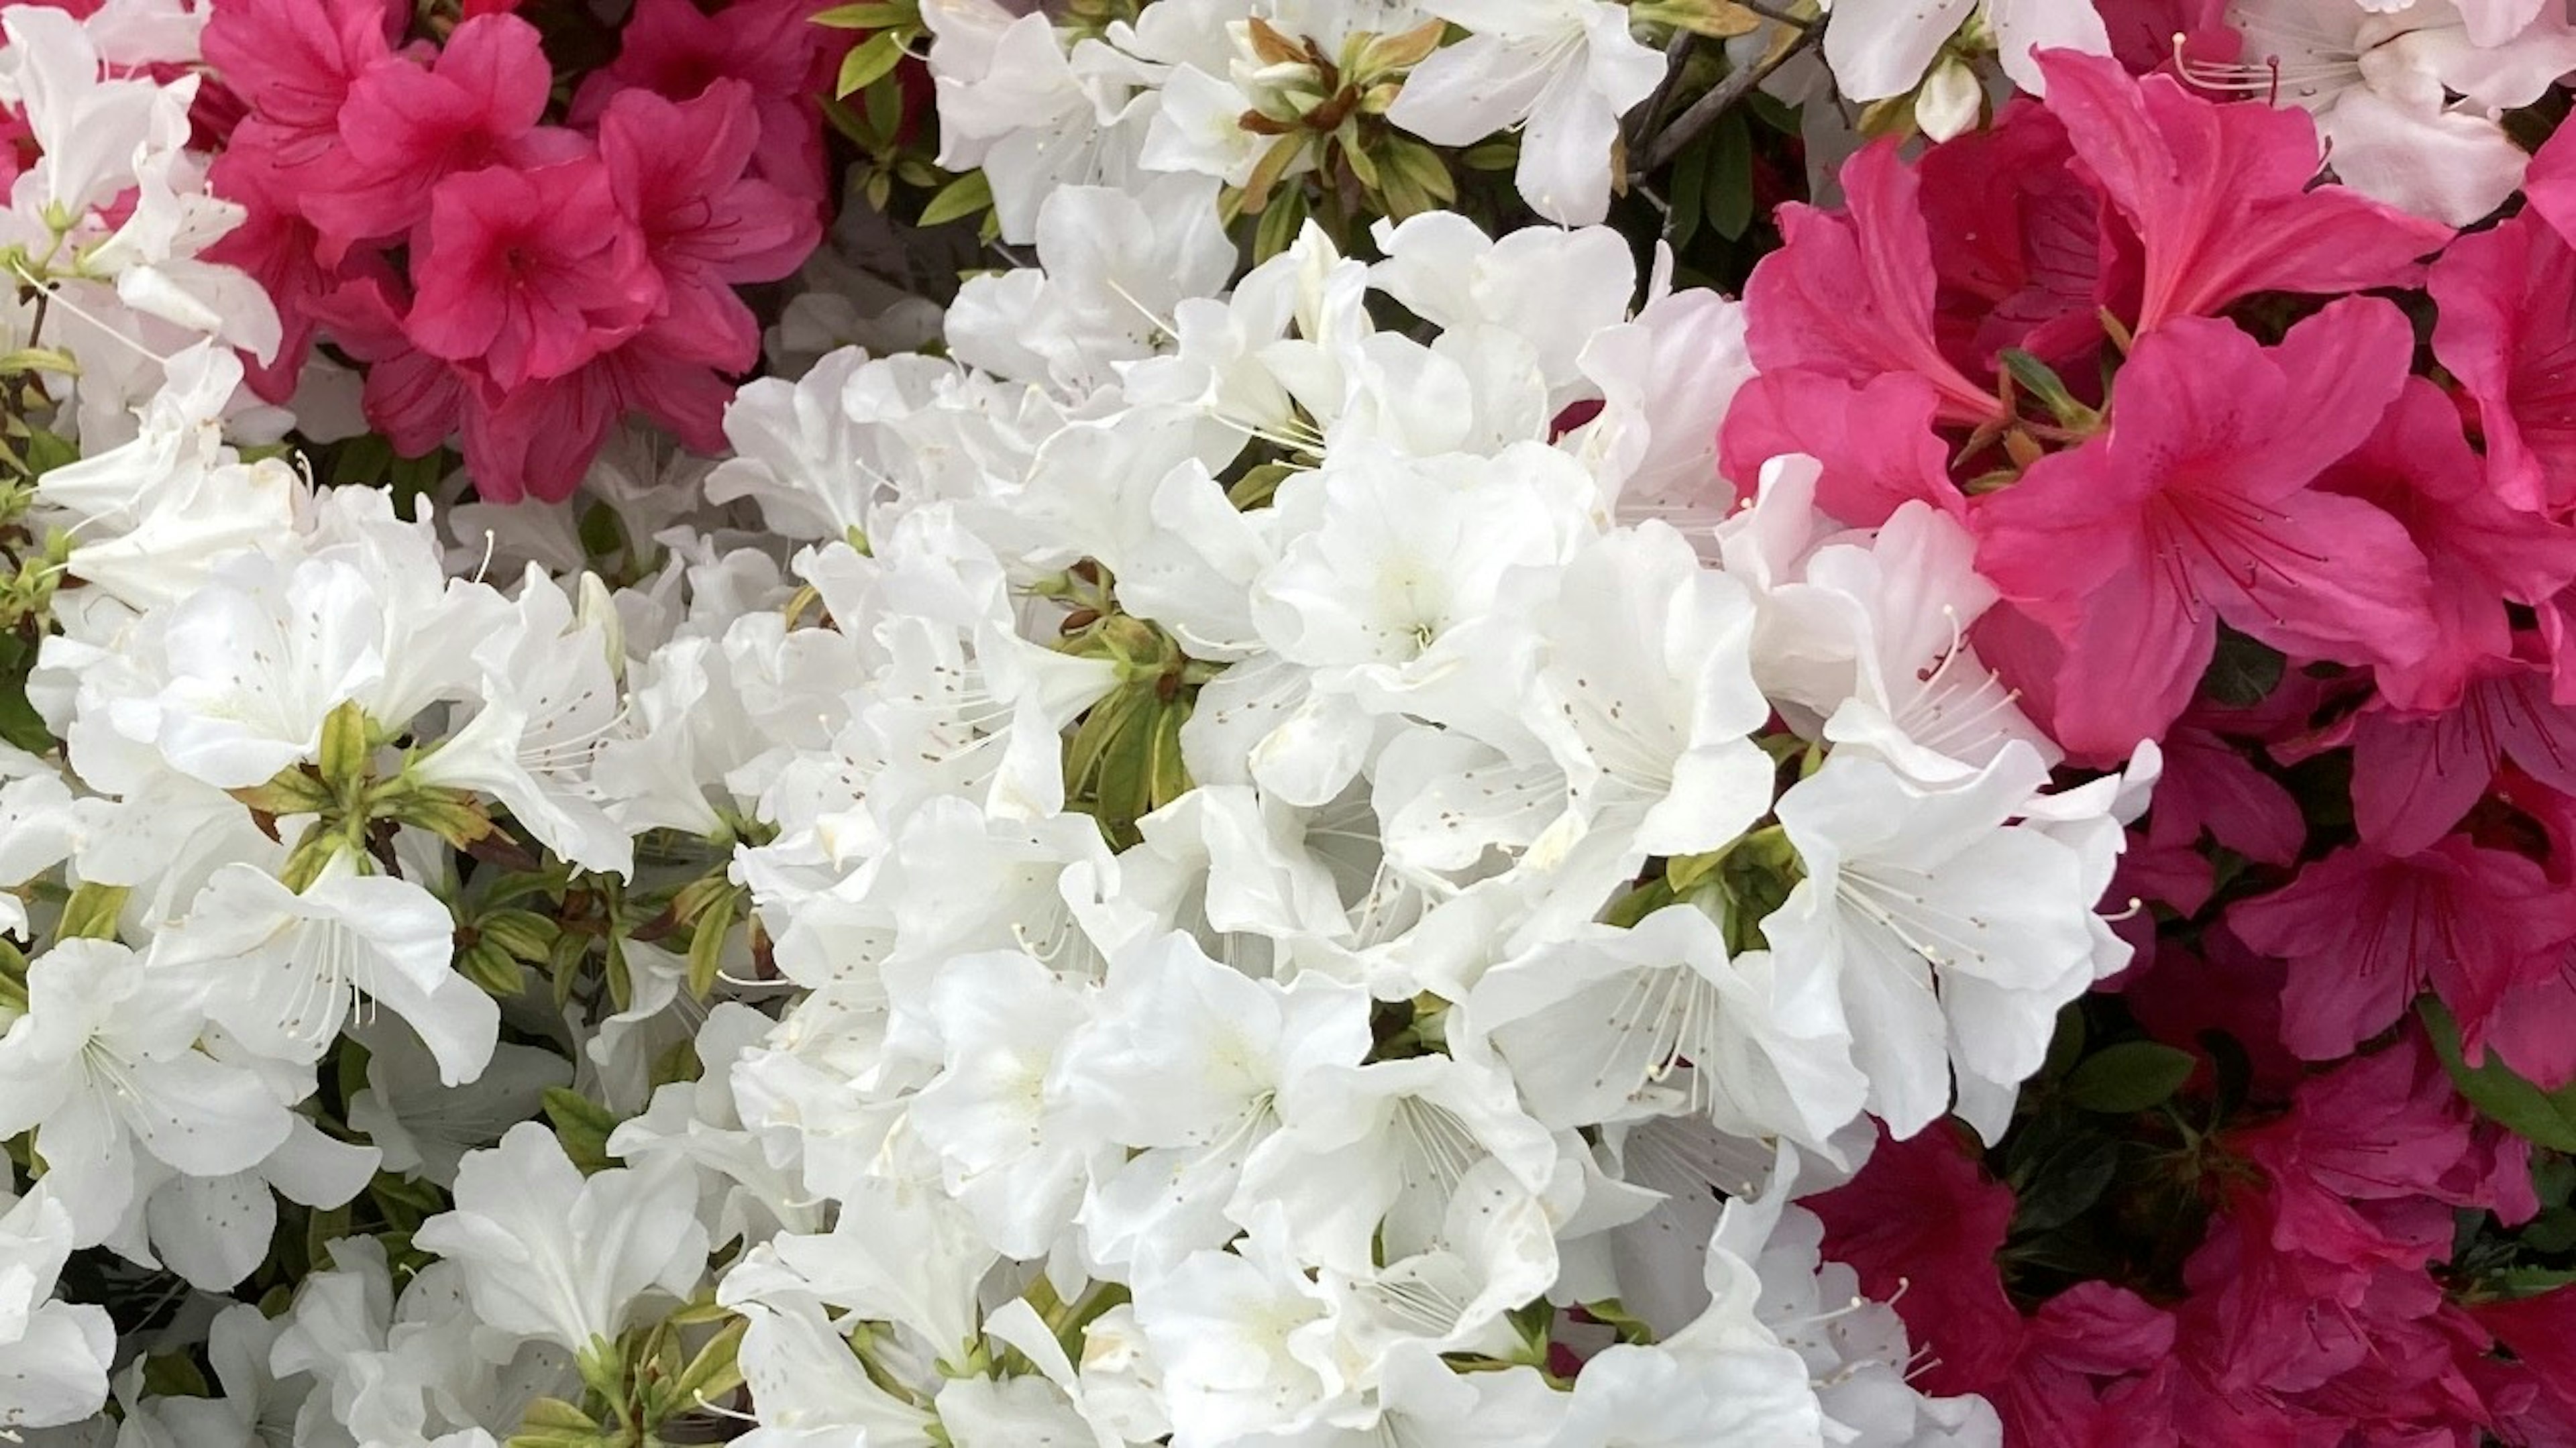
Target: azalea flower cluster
1200, 964
1039, 970
518, 282
918, 726
2312, 547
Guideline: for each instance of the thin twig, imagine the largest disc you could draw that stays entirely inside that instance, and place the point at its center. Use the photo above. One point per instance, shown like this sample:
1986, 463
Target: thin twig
1801, 22
1677, 56
1721, 98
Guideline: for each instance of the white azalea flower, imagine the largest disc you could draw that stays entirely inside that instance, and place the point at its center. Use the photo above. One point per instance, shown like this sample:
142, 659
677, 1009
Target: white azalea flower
2408, 97
1563, 71
549, 1254
997, 1117
105, 1062
1614, 1024
425, 1126
1914, 895
53, 1355
1882, 48
1646, 693
1186, 1064
1245, 1341
1371, 1158
283, 971
216, 1230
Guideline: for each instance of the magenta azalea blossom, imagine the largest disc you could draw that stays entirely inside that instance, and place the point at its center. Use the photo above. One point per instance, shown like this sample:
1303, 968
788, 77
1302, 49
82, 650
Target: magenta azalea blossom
2506, 329
678, 172
528, 275
1849, 294
2364, 932
1874, 441
406, 127
2221, 196
2195, 506
2484, 555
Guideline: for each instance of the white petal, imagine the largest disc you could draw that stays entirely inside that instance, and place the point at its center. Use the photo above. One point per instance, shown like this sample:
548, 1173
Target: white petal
2446, 165
1880, 48
2024, 26
1471, 90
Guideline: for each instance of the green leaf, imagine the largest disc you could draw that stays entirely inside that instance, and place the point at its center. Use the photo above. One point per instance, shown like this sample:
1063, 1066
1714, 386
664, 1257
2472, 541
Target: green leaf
410, 479
1167, 773
2242, 673
1421, 167
2042, 382
365, 460
1270, 169
2552, 1231
2553, 1180
2065, 1182
583, 1125
867, 16
523, 933
881, 106
497, 971
603, 533
91, 912
1279, 225
2544, 1118
713, 1372
965, 196
554, 1423
2067, 1045
1689, 199
345, 750
46, 452
20, 724
707, 943
879, 54
172, 1375
2528, 1281
2130, 1077
1730, 177
1611, 1313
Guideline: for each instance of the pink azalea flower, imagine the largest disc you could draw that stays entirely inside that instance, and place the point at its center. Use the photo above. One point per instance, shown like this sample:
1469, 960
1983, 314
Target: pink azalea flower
527, 275
1922, 1225
406, 127
675, 50
2093, 1373
2224, 987
2363, 932
1849, 294
293, 62
2220, 195
2549, 184
2419, 469
2016, 236
1874, 443
2195, 506
538, 440
2283, 1347
2143, 32
2541, 1332
414, 399
2416, 774
2506, 324
2373, 1155
678, 172
2208, 785
277, 246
